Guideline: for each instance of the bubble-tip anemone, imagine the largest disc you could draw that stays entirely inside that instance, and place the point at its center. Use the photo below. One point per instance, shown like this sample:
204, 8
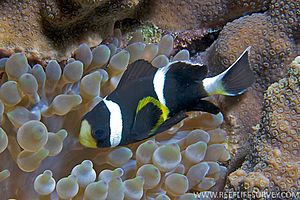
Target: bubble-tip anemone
50, 103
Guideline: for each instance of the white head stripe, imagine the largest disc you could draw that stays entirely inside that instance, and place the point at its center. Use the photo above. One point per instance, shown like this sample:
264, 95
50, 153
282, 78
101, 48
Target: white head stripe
159, 83
115, 123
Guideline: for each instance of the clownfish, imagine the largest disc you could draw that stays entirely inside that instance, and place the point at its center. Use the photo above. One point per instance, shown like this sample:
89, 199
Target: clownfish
151, 100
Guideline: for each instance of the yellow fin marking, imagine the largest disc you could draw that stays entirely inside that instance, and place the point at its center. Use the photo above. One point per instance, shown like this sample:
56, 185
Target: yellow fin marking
85, 135
220, 90
158, 104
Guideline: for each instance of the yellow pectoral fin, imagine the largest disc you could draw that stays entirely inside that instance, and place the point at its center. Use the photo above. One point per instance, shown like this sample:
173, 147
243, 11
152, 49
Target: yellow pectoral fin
164, 110
157, 125
85, 135
149, 99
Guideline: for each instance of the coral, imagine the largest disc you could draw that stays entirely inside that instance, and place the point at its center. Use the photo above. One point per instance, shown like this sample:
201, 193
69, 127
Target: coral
198, 14
150, 32
241, 114
41, 111
48, 29
195, 40
271, 48
273, 163
272, 36
51, 28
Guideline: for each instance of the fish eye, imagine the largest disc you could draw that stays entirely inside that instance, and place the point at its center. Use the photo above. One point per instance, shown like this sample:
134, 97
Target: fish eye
99, 135
102, 138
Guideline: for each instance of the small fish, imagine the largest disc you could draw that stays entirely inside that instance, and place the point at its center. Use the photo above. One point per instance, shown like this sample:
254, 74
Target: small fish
150, 100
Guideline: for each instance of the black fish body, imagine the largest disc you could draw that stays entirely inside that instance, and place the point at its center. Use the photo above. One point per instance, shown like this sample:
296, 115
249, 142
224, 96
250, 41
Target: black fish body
150, 100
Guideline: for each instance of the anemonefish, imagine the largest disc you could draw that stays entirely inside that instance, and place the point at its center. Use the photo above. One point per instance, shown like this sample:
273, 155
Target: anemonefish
150, 100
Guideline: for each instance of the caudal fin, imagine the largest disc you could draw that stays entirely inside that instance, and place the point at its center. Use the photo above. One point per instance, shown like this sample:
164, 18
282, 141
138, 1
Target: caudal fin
233, 81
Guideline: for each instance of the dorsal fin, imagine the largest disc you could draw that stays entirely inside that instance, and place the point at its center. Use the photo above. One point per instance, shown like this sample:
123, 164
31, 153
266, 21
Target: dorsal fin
136, 70
183, 70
